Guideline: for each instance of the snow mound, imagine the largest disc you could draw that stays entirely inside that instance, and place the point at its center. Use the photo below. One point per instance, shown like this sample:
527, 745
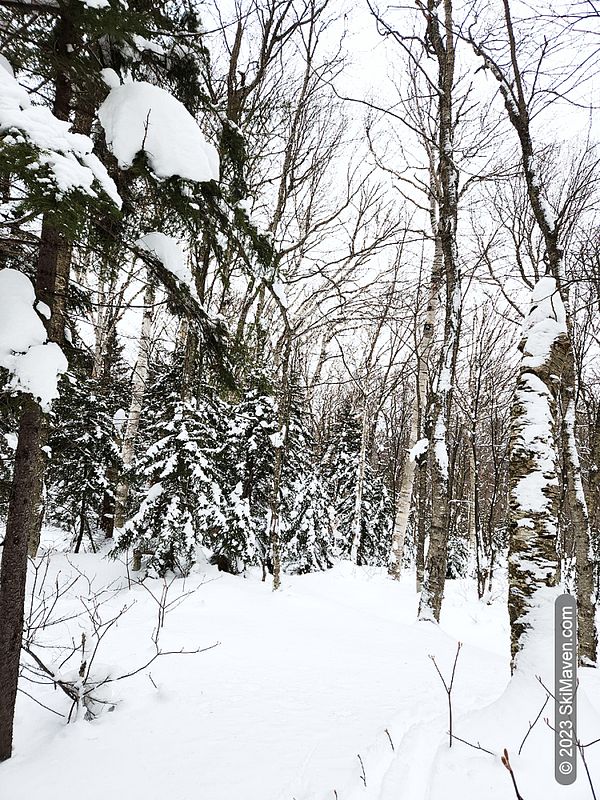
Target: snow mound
169, 252
69, 157
139, 116
33, 363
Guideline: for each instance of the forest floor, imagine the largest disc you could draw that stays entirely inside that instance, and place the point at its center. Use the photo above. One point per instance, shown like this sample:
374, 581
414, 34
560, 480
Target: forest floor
324, 690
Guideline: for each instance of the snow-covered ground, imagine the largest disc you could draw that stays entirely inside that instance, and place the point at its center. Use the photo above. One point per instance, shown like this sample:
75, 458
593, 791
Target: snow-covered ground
304, 685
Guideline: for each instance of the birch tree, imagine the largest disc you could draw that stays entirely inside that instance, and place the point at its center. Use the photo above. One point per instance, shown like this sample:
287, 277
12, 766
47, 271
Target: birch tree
540, 391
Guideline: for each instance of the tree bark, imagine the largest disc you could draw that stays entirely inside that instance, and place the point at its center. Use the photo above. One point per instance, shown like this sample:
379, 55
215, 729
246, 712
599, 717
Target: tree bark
437, 555
360, 484
533, 466
417, 432
283, 418
140, 377
23, 524
516, 103
587, 636
23, 512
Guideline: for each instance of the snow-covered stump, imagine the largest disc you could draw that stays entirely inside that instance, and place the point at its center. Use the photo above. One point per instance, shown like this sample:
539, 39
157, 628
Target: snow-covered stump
533, 463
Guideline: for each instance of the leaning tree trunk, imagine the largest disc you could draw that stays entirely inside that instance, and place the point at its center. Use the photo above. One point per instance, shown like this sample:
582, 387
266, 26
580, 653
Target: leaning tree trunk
533, 467
417, 414
594, 491
138, 388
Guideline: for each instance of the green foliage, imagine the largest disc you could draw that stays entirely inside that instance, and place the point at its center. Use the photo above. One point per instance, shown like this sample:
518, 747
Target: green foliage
83, 456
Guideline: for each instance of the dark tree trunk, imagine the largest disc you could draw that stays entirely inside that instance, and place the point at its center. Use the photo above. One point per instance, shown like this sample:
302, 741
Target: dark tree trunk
25, 508
23, 513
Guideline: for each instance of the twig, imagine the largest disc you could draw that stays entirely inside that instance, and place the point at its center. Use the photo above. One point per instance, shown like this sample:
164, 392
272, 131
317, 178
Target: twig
581, 749
390, 738
532, 724
506, 762
448, 687
363, 777
474, 746
39, 702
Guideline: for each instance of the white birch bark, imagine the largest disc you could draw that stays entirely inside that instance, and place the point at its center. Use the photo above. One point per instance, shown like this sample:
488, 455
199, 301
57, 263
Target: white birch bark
416, 422
138, 388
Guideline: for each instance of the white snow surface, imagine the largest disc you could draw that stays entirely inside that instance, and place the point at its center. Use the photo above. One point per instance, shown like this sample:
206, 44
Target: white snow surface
34, 364
169, 252
139, 116
69, 156
303, 680
545, 322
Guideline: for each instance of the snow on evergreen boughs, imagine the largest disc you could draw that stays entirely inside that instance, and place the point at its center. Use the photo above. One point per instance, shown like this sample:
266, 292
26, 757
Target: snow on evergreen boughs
341, 467
84, 453
180, 503
52, 158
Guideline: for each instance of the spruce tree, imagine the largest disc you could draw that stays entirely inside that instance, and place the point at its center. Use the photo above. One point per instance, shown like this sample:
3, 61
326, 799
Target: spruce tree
177, 500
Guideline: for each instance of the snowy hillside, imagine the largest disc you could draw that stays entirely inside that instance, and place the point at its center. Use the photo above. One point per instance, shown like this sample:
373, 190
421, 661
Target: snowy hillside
301, 684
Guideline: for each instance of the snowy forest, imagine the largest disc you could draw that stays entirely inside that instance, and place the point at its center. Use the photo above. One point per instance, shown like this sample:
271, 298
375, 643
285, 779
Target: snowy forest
299, 398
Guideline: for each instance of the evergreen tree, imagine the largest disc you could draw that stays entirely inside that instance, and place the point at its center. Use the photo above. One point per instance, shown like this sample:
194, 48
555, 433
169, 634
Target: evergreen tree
178, 502
83, 454
340, 467
306, 518
249, 452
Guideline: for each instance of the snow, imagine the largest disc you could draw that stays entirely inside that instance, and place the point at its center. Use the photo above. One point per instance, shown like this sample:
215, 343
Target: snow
545, 322
5, 64
169, 252
280, 293
68, 156
419, 449
301, 682
439, 446
536, 437
278, 438
145, 44
119, 419
95, 3
33, 363
138, 117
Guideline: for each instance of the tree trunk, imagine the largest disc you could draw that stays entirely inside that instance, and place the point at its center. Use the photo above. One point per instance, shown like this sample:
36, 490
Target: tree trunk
516, 103
23, 512
140, 376
360, 484
23, 524
283, 418
442, 41
417, 414
533, 467
587, 635
422, 519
